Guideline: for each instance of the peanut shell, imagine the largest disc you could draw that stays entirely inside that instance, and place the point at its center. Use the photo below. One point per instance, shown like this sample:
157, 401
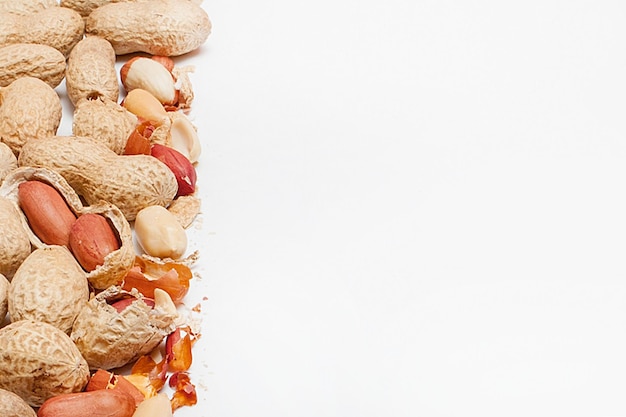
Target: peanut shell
49, 286
130, 182
29, 109
4, 298
110, 339
8, 161
12, 405
39, 361
117, 263
33, 60
25, 7
157, 27
14, 239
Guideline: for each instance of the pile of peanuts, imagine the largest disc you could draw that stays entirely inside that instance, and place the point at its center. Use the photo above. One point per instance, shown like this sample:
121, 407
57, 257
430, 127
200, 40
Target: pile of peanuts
94, 255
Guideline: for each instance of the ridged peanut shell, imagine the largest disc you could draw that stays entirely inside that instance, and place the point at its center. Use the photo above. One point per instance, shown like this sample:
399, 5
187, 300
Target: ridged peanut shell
105, 121
39, 361
14, 240
12, 405
29, 109
118, 262
110, 339
157, 27
49, 286
4, 298
32, 60
58, 27
8, 161
130, 182
25, 7
91, 71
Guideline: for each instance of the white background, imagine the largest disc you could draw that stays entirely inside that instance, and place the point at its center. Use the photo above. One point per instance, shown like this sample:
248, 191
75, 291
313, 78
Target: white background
411, 208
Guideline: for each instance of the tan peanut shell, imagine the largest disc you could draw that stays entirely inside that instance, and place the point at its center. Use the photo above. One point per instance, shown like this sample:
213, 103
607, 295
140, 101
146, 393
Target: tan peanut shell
4, 298
118, 262
58, 27
24, 7
130, 182
91, 71
8, 161
110, 339
39, 361
33, 60
29, 109
14, 241
49, 286
12, 405
105, 121
157, 27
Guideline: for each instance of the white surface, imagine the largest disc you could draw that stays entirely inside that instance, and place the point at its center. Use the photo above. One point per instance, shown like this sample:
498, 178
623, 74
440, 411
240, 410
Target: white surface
412, 208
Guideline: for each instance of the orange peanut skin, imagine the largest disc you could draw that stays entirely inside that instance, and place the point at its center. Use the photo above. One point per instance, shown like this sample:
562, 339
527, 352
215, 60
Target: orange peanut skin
100, 403
48, 214
91, 239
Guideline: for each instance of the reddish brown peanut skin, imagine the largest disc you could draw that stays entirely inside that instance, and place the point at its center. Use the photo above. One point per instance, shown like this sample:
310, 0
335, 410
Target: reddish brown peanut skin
48, 214
91, 239
183, 170
100, 403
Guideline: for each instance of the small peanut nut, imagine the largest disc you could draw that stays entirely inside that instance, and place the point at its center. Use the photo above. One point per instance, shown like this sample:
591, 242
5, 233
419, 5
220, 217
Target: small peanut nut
145, 105
159, 233
156, 406
151, 75
91, 239
184, 172
99, 403
48, 214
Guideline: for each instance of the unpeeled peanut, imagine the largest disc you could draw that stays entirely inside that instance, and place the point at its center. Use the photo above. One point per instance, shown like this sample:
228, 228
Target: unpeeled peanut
14, 240
12, 405
99, 403
91, 240
48, 214
159, 233
4, 297
33, 60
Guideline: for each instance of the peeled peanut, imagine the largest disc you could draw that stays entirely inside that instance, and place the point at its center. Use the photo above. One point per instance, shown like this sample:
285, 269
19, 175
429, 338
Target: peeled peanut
99, 403
159, 233
12, 405
39, 361
49, 287
156, 406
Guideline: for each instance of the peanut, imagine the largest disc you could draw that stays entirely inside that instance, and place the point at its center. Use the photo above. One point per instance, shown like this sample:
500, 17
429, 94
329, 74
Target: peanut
150, 75
12, 405
99, 403
39, 361
184, 172
29, 109
14, 240
33, 60
91, 239
91, 71
143, 104
159, 233
156, 406
131, 182
48, 214
25, 7
105, 121
58, 27
49, 287
162, 27
4, 297
8, 161
110, 339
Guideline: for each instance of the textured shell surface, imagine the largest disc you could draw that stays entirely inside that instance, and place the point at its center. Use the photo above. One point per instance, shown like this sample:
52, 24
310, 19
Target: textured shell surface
108, 339
130, 182
24, 7
105, 121
12, 405
165, 27
8, 161
58, 27
49, 286
33, 60
91, 71
4, 297
29, 109
14, 241
39, 361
